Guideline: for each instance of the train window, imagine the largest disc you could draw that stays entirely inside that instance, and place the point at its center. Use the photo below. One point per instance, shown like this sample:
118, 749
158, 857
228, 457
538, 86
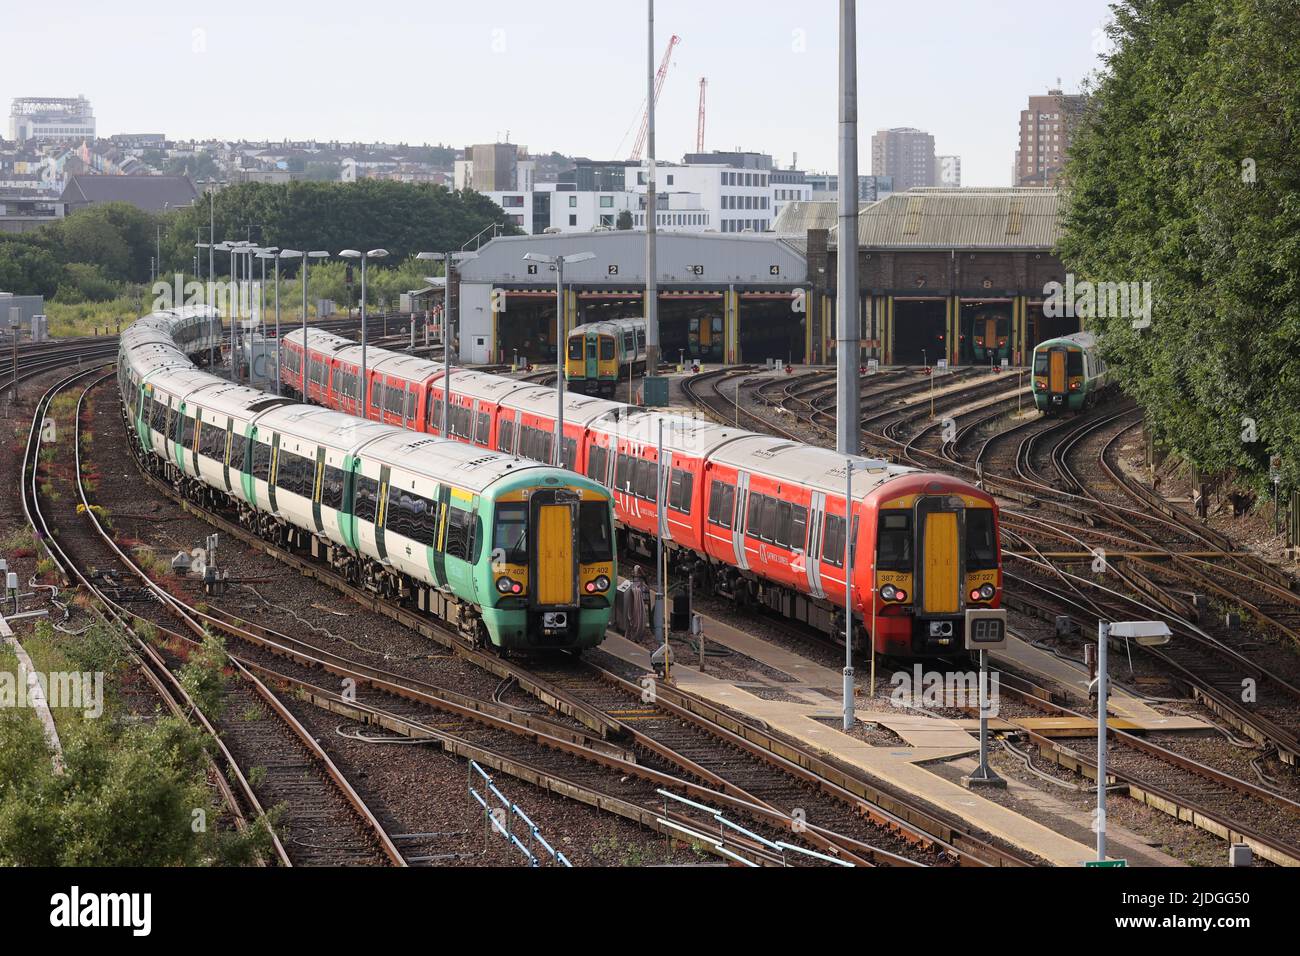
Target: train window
629, 344
187, 432
568, 453
261, 461
238, 452
365, 499
575, 348
680, 488
483, 430
598, 464
833, 541
376, 394
510, 536
506, 436
331, 488
411, 516
640, 340
623, 472
173, 423
647, 475
780, 532
595, 541
753, 519
894, 541
798, 528
288, 472
212, 441
460, 525
1040, 363
1074, 363
981, 545
410, 405
606, 348
157, 416
722, 504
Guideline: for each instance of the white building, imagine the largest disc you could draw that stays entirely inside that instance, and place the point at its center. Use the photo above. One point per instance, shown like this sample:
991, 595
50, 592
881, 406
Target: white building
737, 200
51, 118
561, 208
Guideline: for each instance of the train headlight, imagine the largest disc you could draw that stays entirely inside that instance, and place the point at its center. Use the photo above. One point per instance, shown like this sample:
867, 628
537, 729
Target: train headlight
900, 595
506, 586
889, 592
600, 584
987, 591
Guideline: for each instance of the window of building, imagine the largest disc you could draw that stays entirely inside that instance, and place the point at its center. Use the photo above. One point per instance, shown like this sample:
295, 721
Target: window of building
573, 202
573, 220
606, 202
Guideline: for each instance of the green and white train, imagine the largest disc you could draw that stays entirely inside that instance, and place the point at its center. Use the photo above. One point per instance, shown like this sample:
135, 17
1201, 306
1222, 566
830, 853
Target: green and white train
514, 554
1069, 374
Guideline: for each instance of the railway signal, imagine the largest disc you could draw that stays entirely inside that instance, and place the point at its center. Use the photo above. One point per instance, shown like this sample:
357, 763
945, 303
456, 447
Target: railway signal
985, 630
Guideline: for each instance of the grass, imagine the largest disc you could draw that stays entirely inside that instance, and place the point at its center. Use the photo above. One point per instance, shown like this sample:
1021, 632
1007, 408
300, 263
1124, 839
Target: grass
68, 320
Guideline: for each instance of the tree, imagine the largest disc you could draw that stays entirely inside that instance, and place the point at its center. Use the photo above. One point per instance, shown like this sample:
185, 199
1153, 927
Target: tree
1183, 174
624, 222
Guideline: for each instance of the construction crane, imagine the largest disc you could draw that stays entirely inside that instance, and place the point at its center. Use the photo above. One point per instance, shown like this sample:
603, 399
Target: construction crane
662, 75
699, 133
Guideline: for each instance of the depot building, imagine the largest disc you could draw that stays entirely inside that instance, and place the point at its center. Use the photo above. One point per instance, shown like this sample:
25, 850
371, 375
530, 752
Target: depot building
943, 273
960, 274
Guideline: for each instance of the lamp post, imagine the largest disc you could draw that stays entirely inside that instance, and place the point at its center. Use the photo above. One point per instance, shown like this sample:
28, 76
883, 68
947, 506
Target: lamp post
557, 263
274, 254
306, 258
1148, 634
372, 254
449, 261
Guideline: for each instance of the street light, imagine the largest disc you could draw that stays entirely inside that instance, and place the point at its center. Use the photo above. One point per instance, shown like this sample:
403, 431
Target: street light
449, 261
372, 254
207, 298
306, 258
274, 254
1147, 634
557, 263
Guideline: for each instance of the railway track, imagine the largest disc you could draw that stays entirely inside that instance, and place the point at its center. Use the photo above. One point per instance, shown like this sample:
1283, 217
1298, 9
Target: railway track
319, 799
595, 715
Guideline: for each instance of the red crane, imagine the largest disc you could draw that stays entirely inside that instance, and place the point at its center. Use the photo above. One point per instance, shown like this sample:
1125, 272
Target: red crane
659, 85
699, 133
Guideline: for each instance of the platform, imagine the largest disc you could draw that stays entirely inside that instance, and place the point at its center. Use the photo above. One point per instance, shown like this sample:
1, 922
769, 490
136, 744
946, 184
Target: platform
901, 767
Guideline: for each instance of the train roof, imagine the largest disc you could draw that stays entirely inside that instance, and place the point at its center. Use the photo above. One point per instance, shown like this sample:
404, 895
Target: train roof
578, 409
319, 339
228, 398
694, 436
321, 426
806, 465
1083, 340
484, 386
609, 327
442, 460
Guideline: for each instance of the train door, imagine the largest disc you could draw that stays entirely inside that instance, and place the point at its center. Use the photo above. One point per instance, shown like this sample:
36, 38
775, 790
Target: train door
1056, 374
553, 545
939, 563
593, 357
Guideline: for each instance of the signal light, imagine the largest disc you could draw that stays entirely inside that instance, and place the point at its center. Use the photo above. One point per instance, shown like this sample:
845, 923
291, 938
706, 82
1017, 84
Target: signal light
975, 595
900, 595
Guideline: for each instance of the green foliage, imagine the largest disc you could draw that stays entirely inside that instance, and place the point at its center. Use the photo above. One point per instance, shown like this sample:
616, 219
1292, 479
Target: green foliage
203, 676
403, 218
624, 222
128, 797
1183, 174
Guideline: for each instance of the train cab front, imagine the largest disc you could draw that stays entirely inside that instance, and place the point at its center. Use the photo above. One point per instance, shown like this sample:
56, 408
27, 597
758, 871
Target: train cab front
553, 569
935, 560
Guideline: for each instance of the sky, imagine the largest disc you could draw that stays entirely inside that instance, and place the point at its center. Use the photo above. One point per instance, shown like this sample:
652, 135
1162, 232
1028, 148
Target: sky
562, 75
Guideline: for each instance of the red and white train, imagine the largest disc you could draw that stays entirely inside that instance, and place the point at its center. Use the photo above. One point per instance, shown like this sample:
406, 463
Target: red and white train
757, 518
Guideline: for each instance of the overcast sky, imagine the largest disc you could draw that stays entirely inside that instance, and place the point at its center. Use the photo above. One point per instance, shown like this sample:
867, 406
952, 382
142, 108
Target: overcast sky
566, 75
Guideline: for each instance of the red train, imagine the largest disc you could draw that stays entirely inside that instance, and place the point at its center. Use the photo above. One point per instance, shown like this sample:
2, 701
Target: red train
757, 518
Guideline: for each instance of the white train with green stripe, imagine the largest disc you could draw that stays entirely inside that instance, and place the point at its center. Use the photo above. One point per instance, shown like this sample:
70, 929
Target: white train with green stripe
514, 554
